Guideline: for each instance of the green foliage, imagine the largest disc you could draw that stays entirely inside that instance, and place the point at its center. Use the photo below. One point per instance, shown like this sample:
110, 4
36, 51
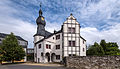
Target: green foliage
95, 49
103, 49
112, 49
11, 49
104, 45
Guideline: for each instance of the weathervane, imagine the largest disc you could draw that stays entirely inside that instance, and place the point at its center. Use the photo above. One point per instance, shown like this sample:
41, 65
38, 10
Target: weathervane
40, 4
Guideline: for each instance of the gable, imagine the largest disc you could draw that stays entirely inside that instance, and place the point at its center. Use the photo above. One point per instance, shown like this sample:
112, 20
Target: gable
71, 19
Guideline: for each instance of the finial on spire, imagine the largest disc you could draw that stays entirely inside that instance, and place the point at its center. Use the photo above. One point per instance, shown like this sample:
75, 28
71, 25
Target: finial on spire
40, 4
40, 12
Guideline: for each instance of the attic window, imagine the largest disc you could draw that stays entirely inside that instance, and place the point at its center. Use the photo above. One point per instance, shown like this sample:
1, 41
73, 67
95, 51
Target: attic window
71, 18
57, 37
71, 30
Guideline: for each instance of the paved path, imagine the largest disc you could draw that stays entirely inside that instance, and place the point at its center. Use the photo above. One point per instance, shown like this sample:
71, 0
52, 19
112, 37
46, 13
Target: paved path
32, 66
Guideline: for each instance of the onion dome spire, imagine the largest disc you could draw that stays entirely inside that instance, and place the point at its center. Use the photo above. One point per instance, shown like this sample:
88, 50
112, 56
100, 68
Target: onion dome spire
40, 19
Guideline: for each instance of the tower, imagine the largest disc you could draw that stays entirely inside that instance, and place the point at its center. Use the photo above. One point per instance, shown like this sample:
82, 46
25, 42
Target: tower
40, 34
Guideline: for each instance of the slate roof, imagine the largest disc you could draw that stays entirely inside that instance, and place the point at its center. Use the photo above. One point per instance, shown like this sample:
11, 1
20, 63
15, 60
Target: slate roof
3, 35
45, 35
49, 35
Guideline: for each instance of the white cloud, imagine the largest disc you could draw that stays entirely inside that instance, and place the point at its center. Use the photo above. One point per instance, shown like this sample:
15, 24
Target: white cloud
92, 34
103, 10
52, 26
8, 23
25, 29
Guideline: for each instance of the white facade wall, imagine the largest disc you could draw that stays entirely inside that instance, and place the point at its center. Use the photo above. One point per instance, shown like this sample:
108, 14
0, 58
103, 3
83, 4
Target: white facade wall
78, 48
25, 58
24, 44
83, 46
53, 43
65, 37
37, 38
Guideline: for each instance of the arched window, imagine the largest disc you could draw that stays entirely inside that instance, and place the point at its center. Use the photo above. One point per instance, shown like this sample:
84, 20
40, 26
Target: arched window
42, 54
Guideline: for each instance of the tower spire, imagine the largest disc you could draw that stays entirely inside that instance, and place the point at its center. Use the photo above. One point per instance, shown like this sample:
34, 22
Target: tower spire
40, 11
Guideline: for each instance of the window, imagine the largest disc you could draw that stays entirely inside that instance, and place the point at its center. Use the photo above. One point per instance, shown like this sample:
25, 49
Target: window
72, 54
83, 49
18, 42
39, 46
0, 40
49, 46
53, 37
57, 37
71, 30
83, 41
58, 57
57, 46
46, 46
71, 43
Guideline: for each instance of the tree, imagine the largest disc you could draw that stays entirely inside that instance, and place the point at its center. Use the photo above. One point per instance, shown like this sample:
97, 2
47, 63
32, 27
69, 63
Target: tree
104, 45
11, 49
95, 49
0, 55
112, 49
104, 48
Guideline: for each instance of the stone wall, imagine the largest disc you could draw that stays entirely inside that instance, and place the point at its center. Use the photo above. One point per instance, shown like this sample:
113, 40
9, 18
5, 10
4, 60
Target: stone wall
93, 62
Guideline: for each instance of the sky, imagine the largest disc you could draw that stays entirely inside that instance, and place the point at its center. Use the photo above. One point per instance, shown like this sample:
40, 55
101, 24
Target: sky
99, 19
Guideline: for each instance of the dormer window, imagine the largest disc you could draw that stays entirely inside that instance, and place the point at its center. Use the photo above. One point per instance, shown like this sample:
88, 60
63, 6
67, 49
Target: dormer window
57, 37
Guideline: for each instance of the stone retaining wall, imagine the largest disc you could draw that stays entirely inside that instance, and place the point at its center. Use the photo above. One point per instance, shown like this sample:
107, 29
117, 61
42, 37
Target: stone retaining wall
93, 62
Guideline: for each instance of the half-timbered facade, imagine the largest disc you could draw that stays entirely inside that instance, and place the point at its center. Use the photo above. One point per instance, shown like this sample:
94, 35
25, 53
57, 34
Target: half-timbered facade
53, 47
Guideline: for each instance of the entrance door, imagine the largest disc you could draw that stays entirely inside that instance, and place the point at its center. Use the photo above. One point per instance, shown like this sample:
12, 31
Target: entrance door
48, 57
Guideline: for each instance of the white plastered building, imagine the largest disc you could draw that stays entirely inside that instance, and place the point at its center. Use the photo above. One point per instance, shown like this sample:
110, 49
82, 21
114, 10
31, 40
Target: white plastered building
53, 47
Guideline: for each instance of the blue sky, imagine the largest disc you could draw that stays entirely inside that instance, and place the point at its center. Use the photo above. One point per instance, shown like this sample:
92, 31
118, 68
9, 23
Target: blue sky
99, 19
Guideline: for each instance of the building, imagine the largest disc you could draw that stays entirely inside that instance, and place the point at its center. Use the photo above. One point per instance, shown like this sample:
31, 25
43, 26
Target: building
53, 47
30, 54
21, 42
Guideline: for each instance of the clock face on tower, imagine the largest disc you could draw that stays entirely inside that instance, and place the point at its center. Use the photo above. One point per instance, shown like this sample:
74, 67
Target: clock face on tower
42, 18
